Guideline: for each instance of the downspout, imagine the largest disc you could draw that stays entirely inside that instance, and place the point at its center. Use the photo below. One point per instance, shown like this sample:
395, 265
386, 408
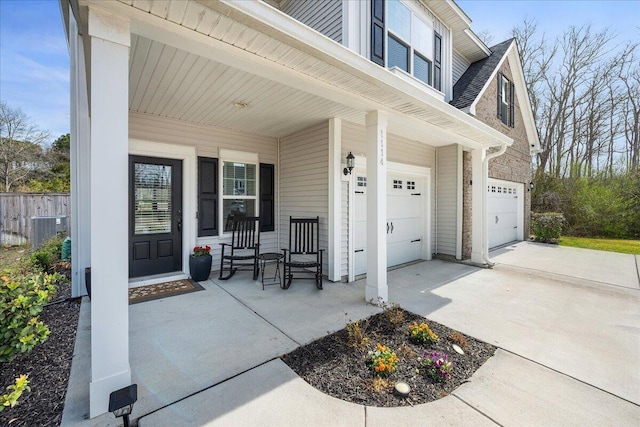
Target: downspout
485, 219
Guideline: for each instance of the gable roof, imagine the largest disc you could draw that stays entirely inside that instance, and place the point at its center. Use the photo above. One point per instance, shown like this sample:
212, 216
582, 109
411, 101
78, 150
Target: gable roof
470, 84
469, 88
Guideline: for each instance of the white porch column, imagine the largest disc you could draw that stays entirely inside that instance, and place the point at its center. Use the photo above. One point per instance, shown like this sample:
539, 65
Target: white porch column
335, 189
110, 371
478, 205
376, 288
80, 159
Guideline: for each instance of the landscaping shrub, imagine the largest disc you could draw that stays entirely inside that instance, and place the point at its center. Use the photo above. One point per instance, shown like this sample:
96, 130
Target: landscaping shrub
48, 253
21, 300
547, 227
357, 334
9, 400
24, 290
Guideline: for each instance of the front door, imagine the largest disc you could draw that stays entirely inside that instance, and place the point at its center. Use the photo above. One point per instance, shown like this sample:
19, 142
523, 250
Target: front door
155, 216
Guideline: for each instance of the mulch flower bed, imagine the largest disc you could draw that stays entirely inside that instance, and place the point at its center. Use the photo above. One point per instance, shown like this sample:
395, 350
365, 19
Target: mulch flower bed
48, 367
338, 368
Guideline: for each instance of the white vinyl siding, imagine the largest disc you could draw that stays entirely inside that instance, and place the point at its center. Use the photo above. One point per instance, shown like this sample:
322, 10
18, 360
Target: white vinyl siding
323, 16
304, 181
399, 150
208, 141
447, 211
344, 230
459, 66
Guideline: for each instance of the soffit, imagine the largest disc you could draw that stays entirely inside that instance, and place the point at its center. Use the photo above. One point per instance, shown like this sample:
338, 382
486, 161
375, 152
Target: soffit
279, 55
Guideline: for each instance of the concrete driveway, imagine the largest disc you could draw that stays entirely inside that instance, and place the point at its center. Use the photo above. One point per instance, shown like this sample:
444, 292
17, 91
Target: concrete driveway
562, 308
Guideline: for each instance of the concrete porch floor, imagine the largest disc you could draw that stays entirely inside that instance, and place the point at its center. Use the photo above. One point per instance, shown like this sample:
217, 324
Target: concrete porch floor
568, 356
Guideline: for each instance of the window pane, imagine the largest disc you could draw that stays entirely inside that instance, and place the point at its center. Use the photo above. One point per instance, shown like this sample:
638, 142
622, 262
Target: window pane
398, 54
236, 207
399, 19
422, 68
505, 91
422, 37
152, 198
239, 179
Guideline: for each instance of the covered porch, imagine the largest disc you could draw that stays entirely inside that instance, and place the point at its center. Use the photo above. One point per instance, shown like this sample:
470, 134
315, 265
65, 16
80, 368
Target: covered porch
188, 343
237, 82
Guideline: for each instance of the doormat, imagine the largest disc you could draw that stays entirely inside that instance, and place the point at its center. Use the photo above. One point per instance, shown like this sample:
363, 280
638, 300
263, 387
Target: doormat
163, 290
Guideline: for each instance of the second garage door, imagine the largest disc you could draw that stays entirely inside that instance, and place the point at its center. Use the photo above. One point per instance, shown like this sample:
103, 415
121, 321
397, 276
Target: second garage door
503, 200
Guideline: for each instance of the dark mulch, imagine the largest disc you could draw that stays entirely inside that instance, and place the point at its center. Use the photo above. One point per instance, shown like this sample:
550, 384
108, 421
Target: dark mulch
340, 370
48, 367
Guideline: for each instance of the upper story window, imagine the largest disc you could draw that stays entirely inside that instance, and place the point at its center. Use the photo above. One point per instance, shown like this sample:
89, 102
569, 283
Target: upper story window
505, 100
410, 42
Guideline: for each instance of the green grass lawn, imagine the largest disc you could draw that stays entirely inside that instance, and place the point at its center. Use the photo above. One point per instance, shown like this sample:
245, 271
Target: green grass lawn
611, 245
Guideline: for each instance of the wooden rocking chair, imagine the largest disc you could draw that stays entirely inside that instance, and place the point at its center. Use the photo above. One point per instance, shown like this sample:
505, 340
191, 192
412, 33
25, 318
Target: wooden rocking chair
244, 248
304, 255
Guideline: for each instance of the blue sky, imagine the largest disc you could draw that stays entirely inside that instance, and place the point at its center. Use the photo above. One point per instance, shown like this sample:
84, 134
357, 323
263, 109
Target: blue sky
498, 17
34, 61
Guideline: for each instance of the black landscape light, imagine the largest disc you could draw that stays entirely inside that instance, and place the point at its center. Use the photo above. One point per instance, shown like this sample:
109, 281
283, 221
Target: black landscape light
349, 168
121, 402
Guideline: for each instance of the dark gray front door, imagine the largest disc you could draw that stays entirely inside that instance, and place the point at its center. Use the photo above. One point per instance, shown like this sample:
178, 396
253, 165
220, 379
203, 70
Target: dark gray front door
155, 216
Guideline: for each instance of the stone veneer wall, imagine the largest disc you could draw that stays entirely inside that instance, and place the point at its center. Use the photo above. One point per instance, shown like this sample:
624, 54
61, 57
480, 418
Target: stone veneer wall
514, 165
466, 204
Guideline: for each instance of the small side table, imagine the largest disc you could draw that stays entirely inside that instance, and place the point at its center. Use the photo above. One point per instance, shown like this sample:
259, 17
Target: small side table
271, 257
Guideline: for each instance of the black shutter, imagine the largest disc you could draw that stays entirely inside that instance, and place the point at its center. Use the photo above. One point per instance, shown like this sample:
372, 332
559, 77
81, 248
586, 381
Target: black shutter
437, 61
511, 103
377, 31
207, 196
267, 197
500, 96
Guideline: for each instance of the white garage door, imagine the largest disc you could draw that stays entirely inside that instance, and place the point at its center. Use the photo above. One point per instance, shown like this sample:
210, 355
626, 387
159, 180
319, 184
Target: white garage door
502, 211
405, 220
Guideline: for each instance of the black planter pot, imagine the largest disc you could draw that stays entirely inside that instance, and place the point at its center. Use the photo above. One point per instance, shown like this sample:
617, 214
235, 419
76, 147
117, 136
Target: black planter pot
200, 267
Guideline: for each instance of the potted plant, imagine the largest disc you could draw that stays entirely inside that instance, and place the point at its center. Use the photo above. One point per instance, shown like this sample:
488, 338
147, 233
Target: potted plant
200, 263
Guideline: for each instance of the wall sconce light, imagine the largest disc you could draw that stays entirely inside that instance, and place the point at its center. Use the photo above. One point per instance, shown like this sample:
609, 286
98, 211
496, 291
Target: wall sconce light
349, 168
121, 402
531, 184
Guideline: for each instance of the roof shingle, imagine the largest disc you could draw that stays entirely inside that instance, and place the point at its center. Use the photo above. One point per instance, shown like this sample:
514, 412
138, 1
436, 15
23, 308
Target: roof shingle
468, 87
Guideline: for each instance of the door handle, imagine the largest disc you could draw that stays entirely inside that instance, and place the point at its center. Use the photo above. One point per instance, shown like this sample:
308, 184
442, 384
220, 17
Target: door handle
392, 227
387, 228
179, 224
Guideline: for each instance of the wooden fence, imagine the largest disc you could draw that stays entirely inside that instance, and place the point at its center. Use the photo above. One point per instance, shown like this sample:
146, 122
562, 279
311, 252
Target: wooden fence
17, 209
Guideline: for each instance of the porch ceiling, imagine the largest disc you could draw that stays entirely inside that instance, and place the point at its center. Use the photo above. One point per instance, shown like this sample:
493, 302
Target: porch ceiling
192, 60
168, 82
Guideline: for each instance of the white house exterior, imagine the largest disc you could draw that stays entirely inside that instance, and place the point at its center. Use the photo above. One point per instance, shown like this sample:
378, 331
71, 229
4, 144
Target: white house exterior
202, 107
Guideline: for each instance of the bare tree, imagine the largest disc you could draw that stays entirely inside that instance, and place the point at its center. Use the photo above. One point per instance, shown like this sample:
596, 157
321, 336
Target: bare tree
21, 144
486, 37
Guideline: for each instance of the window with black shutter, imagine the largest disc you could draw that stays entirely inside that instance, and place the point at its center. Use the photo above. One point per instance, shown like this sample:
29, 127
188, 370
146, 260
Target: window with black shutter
207, 196
437, 61
377, 31
267, 197
506, 100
